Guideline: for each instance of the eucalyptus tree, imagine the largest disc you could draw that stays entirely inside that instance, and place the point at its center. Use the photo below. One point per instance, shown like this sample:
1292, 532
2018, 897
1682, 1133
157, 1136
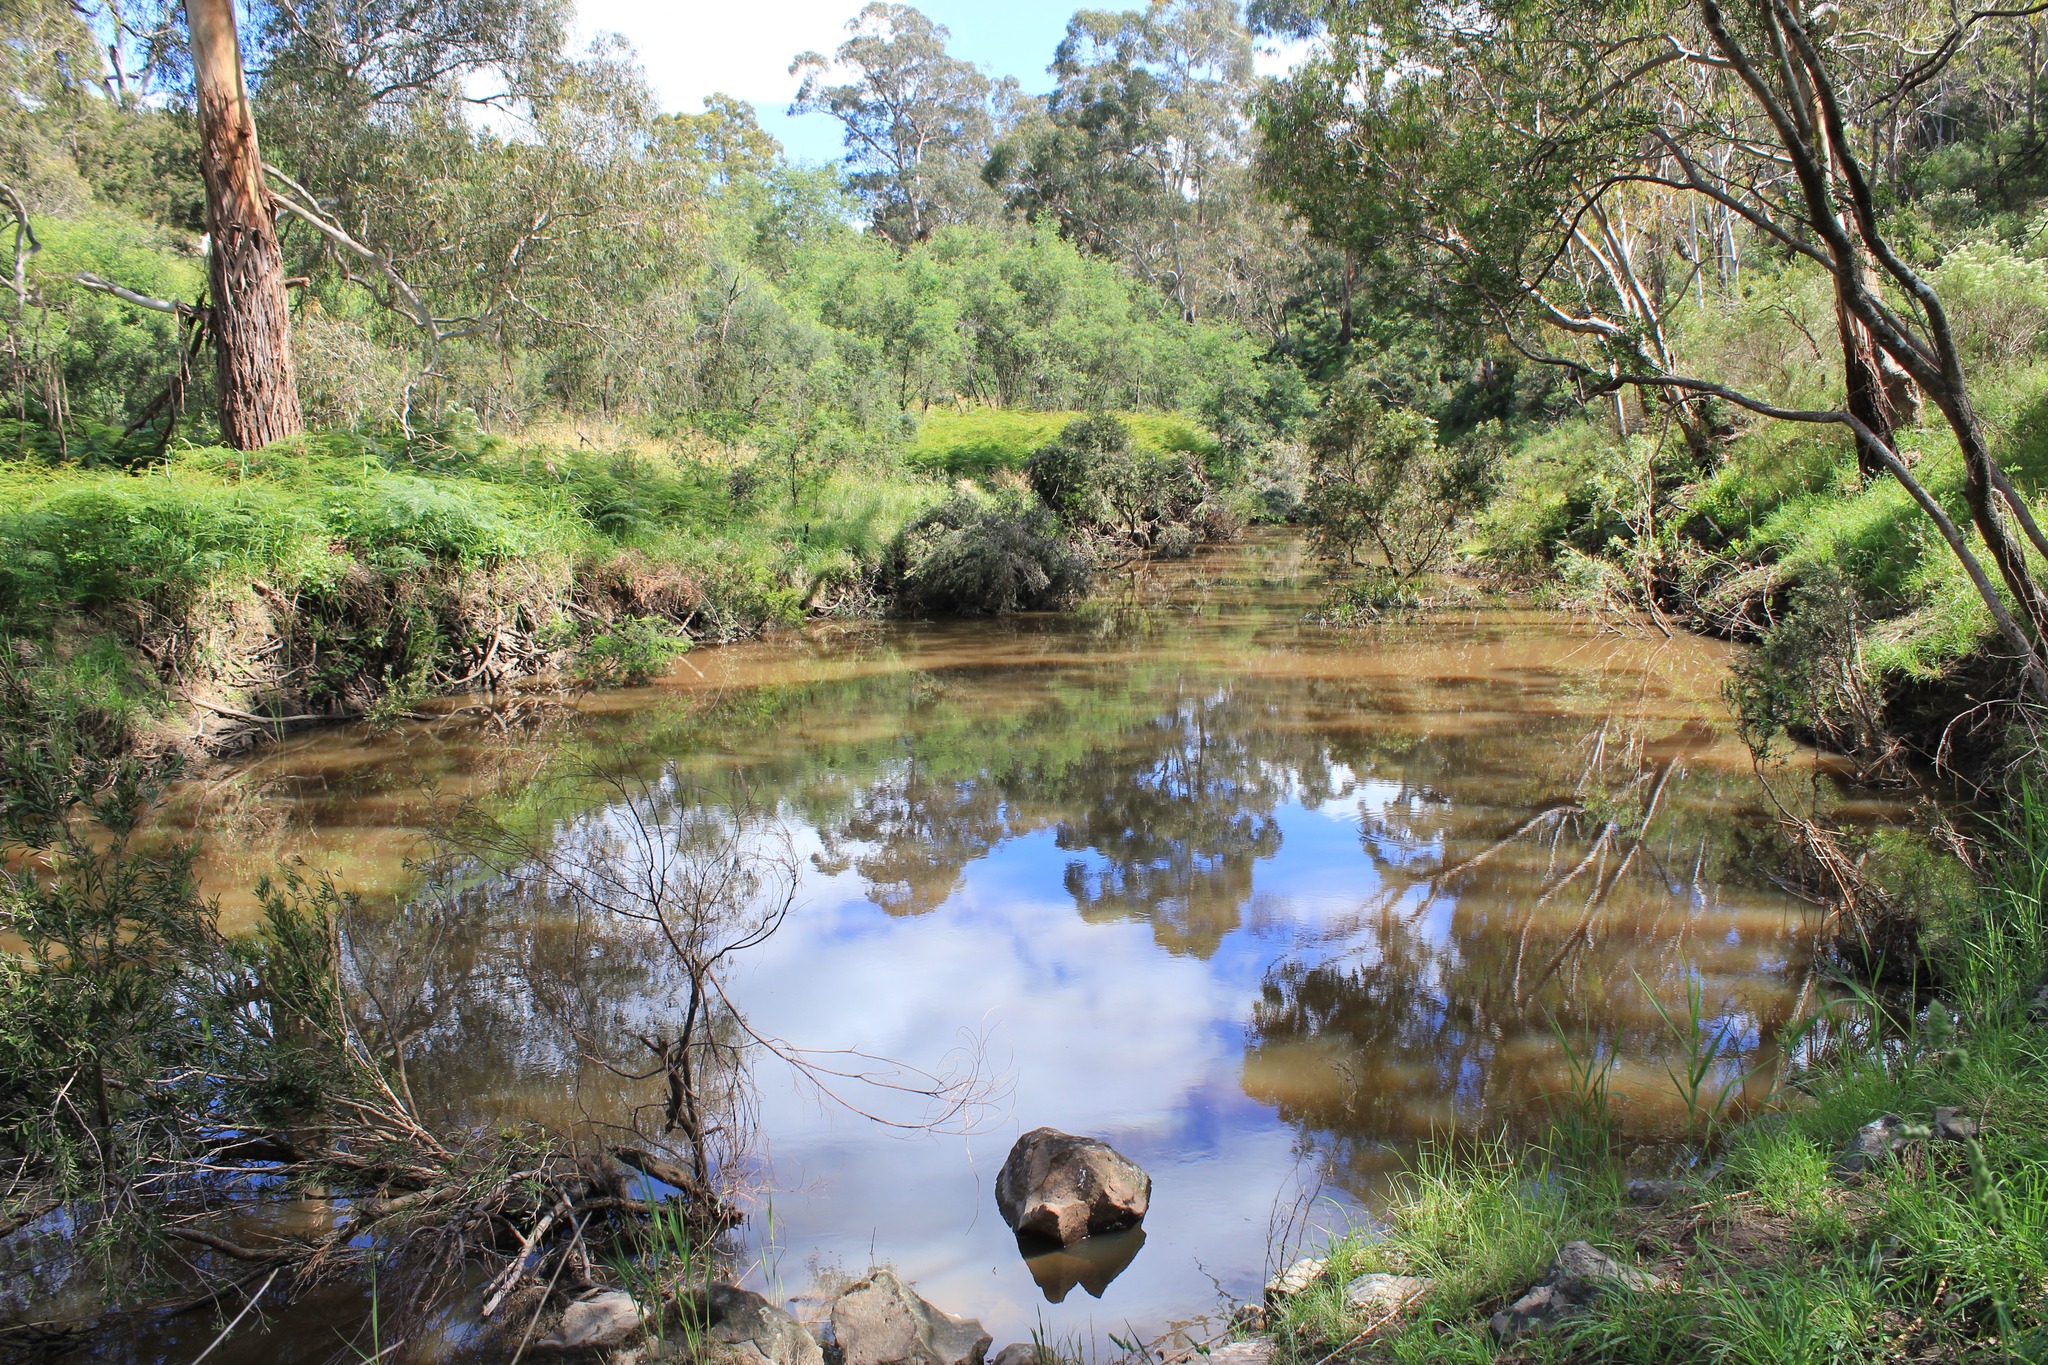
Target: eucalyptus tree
247, 314
1143, 153
1571, 172
919, 121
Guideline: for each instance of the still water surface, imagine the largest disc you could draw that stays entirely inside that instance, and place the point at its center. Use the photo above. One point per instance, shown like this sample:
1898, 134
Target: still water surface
1262, 903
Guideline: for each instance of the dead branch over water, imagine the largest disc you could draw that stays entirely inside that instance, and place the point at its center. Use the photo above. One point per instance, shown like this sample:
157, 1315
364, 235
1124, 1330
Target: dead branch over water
316, 1142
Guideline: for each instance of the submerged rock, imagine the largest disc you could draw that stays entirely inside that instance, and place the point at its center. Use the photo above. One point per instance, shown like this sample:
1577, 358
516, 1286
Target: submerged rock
1062, 1188
1580, 1275
1251, 1351
1381, 1294
882, 1321
609, 1318
1296, 1279
742, 1328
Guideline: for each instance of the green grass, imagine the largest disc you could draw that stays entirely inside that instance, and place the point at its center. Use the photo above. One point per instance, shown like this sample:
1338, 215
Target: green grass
977, 442
398, 558
305, 512
1772, 1258
1783, 496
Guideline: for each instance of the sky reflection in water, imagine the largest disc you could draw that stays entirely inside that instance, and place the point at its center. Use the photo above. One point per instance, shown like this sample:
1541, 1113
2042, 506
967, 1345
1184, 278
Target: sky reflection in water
1170, 863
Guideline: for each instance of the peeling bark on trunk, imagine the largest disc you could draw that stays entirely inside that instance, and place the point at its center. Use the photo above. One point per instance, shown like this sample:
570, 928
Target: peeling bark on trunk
1880, 393
259, 396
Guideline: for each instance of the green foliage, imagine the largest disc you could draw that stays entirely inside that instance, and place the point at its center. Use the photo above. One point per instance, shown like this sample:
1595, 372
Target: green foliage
1807, 675
1379, 478
302, 514
984, 557
918, 120
1098, 481
977, 442
630, 651
1068, 474
2000, 301
130, 1027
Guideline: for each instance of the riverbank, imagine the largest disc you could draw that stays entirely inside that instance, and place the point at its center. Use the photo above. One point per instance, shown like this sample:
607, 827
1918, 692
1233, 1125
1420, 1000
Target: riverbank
220, 597
1889, 1203
993, 721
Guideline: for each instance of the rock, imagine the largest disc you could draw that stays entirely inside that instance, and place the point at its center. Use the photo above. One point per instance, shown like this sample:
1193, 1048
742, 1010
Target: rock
1648, 1192
740, 1327
1580, 1274
1251, 1351
1953, 1125
1063, 1188
2037, 1009
882, 1321
1381, 1294
1016, 1353
1872, 1145
1295, 1279
604, 1319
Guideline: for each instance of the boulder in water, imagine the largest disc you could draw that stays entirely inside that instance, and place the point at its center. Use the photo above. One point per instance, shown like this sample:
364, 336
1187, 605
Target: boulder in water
1062, 1188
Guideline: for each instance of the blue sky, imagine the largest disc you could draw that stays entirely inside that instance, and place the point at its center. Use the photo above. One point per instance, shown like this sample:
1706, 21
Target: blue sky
691, 48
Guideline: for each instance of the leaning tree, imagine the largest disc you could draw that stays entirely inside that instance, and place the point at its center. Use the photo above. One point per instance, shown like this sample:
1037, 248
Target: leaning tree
1569, 171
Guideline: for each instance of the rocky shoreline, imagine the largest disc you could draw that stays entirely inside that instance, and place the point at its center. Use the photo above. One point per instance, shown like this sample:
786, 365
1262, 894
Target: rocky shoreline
1064, 1190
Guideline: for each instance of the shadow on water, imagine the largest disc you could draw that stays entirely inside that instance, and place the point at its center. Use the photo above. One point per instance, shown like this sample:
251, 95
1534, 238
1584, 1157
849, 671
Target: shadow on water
1261, 903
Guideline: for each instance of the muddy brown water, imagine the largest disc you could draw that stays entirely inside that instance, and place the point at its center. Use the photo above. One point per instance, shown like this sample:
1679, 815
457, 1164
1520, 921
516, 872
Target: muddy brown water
1264, 904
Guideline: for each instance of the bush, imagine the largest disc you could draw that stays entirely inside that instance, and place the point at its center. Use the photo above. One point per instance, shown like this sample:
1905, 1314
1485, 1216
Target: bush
1378, 478
632, 651
969, 557
1066, 473
1999, 302
1806, 678
1098, 480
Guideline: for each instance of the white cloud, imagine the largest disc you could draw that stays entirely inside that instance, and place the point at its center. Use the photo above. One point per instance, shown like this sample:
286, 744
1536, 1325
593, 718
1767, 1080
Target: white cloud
1099, 1032
1279, 57
691, 50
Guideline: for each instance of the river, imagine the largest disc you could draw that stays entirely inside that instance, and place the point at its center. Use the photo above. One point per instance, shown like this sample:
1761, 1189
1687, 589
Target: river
1263, 903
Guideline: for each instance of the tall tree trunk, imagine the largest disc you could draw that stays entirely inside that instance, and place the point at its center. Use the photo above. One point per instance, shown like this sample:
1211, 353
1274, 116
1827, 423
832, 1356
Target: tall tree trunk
252, 342
1880, 393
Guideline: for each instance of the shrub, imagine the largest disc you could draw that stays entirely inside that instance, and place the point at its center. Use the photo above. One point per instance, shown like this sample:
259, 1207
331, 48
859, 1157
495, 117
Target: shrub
970, 557
1807, 678
1378, 478
632, 651
1066, 474
1999, 301
1098, 480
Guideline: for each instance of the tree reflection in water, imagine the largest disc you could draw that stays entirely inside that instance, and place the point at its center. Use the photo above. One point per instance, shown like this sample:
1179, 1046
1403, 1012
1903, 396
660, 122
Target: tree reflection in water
1235, 888
1509, 885
586, 988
